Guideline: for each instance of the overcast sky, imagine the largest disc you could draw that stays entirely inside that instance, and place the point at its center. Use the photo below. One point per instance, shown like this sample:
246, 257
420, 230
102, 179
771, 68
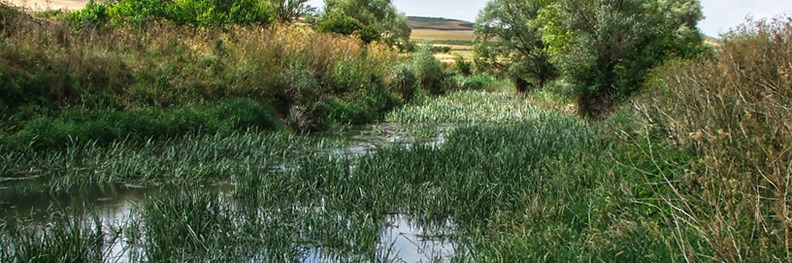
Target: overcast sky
720, 14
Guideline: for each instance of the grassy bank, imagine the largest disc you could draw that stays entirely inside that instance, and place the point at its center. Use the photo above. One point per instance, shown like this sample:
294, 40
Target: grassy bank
66, 73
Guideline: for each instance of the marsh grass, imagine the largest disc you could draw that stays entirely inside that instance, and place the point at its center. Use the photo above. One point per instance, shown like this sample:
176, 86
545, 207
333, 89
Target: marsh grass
66, 238
469, 107
512, 188
191, 158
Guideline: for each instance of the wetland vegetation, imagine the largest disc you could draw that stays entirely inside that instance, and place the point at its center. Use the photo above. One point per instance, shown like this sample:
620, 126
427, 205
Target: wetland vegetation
169, 137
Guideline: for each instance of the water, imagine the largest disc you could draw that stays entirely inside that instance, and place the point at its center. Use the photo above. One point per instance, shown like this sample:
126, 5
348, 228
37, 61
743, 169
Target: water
399, 238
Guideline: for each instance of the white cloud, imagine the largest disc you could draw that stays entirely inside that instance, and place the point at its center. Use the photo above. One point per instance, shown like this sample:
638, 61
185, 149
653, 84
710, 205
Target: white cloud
722, 15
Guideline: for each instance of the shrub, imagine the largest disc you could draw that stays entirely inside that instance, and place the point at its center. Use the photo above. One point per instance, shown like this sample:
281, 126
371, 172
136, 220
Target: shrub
93, 14
732, 113
430, 72
463, 66
479, 82
441, 49
163, 65
347, 25
404, 82
354, 75
304, 91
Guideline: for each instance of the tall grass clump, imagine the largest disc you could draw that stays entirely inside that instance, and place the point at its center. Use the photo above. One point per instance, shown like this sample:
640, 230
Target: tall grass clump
66, 238
732, 113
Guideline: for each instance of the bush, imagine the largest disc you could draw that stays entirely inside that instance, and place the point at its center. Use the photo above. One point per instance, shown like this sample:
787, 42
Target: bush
479, 82
347, 25
430, 72
463, 66
304, 91
441, 49
404, 82
732, 113
355, 75
162, 65
93, 14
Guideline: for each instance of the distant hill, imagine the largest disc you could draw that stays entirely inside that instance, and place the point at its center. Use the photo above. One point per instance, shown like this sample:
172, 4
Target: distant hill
436, 23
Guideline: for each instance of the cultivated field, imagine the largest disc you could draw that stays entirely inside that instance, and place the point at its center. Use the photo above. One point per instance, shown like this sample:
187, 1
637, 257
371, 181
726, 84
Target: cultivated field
444, 32
50, 4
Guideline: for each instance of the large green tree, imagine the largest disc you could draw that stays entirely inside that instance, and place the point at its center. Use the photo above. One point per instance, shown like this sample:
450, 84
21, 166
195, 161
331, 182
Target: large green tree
509, 39
603, 48
379, 17
607, 47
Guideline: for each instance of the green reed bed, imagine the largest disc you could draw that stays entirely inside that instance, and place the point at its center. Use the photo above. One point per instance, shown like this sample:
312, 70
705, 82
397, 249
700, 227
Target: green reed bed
469, 107
512, 189
67, 238
191, 158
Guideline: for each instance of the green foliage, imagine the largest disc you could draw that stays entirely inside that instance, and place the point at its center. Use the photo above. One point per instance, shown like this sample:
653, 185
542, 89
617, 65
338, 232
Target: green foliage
480, 82
376, 17
202, 13
288, 11
615, 45
93, 14
347, 25
404, 82
521, 52
441, 49
604, 48
430, 72
463, 66
106, 126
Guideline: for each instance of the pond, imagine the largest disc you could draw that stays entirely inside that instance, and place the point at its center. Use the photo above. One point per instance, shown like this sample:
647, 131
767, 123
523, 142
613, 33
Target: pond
140, 223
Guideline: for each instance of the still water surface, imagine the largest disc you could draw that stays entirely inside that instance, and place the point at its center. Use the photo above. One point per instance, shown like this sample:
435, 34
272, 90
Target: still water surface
401, 238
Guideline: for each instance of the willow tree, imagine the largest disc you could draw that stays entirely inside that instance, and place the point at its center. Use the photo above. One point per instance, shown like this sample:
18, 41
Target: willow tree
606, 48
509, 39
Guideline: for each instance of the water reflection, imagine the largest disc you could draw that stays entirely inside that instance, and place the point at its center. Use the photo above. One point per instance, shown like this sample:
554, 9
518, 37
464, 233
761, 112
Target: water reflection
296, 230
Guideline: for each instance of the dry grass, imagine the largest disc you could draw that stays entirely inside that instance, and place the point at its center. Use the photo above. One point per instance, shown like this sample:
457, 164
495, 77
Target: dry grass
734, 114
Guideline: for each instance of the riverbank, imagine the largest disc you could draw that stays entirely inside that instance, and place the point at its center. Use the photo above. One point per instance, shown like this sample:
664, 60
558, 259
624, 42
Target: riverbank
694, 169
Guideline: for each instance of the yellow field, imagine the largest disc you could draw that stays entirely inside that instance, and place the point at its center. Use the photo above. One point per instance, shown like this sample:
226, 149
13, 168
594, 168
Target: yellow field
433, 34
465, 51
50, 4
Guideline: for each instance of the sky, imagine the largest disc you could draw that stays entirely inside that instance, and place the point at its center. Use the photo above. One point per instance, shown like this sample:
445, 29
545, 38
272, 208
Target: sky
721, 15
